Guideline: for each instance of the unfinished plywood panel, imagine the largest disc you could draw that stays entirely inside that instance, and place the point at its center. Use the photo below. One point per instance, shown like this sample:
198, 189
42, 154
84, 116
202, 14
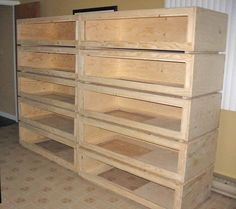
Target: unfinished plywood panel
140, 188
49, 92
181, 29
161, 156
47, 31
53, 147
60, 62
52, 119
170, 73
161, 115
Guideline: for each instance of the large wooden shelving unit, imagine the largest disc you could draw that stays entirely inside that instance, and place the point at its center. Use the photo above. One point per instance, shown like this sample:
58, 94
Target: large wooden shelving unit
47, 87
129, 100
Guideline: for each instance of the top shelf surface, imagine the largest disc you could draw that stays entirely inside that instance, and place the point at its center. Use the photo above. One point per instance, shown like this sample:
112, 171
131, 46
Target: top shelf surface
180, 29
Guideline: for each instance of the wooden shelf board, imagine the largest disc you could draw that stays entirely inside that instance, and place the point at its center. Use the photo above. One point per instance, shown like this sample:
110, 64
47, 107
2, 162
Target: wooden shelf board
157, 120
59, 97
48, 71
60, 150
145, 81
70, 43
142, 187
142, 152
57, 122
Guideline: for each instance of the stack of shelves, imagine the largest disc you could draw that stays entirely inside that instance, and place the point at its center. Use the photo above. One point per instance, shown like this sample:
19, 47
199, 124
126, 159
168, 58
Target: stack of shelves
47, 74
149, 103
130, 100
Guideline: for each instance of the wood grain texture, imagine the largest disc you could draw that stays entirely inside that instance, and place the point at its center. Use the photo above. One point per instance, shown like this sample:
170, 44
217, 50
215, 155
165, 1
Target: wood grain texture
181, 29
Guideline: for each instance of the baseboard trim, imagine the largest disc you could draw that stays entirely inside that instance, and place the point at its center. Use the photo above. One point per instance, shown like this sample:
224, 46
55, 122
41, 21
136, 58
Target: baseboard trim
225, 186
9, 116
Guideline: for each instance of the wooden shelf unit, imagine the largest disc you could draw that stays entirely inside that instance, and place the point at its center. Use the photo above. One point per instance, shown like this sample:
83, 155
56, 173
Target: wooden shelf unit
49, 118
183, 119
148, 96
160, 156
130, 100
136, 184
180, 29
54, 147
55, 91
51, 61
158, 72
47, 87
61, 31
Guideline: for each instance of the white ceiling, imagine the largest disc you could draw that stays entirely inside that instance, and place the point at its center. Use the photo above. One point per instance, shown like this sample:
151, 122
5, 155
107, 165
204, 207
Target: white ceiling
9, 2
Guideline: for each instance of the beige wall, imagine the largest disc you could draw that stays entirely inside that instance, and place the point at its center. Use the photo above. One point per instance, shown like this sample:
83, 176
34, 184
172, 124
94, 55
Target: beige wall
65, 7
7, 71
226, 152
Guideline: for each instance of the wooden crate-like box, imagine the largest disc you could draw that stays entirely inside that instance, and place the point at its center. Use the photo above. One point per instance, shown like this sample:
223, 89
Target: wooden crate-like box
48, 31
53, 61
161, 156
182, 29
49, 118
54, 147
136, 184
170, 73
50, 90
168, 116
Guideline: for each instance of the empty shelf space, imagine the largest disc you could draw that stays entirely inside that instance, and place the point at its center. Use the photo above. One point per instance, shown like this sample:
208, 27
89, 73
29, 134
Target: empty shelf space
131, 112
158, 120
138, 30
59, 97
47, 92
47, 31
152, 155
49, 62
53, 147
165, 116
128, 184
178, 29
54, 120
58, 149
132, 68
160, 72
142, 187
129, 150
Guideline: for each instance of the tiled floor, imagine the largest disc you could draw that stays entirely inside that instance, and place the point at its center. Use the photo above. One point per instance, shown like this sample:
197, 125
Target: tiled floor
32, 182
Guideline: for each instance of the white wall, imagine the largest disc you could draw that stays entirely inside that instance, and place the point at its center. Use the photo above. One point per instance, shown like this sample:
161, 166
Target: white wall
226, 6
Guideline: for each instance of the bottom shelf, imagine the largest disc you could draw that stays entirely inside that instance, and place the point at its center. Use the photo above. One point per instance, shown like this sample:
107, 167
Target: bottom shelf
54, 148
150, 191
60, 150
142, 188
